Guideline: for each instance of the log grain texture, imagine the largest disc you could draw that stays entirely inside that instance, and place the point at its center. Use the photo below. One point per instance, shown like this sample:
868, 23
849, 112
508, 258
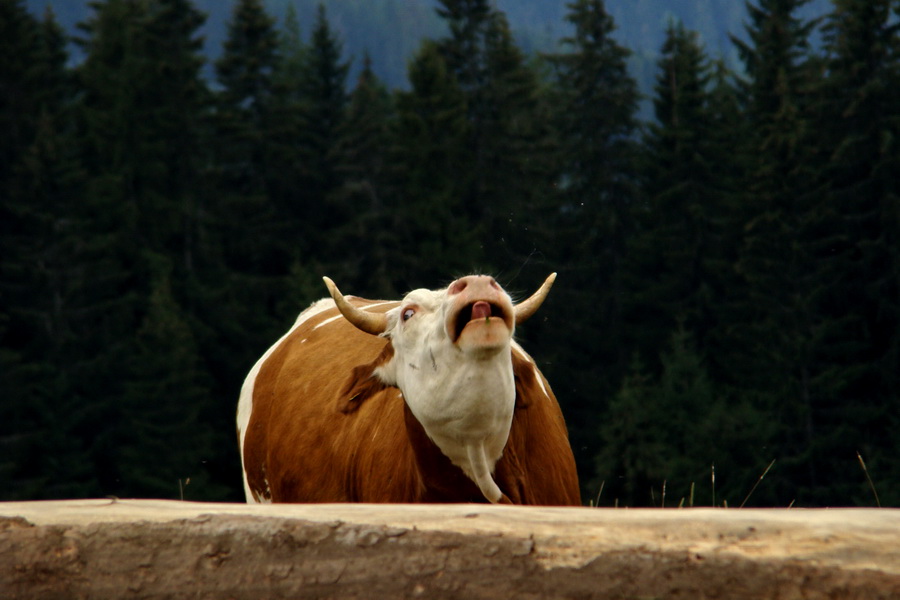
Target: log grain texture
101, 549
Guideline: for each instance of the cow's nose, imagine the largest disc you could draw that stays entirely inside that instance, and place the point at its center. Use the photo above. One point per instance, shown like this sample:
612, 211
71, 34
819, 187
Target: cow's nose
476, 281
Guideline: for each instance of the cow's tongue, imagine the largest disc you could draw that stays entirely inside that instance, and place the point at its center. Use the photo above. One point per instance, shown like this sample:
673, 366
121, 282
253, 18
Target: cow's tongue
481, 310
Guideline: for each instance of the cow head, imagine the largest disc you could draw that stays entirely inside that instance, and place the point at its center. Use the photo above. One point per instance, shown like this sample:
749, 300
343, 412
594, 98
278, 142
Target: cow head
453, 364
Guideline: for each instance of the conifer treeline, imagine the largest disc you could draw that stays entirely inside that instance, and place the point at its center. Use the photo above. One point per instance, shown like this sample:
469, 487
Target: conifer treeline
729, 289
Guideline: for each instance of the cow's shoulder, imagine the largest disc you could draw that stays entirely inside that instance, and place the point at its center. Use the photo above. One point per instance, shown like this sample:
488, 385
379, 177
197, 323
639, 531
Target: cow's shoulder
362, 382
325, 346
530, 383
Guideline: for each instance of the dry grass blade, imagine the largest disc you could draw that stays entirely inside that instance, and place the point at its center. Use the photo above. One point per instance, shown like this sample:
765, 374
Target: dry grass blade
596, 503
869, 479
753, 489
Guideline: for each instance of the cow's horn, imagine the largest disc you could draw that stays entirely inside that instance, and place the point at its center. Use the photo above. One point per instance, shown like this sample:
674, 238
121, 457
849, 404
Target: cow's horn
528, 307
374, 323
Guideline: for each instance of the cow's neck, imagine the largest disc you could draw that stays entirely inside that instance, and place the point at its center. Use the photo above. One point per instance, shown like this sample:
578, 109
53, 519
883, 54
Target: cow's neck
466, 408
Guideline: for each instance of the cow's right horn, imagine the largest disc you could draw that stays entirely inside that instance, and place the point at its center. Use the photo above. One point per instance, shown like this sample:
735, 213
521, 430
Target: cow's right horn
374, 323
526, 308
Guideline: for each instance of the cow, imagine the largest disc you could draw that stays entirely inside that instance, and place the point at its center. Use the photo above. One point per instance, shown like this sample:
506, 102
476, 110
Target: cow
428, 399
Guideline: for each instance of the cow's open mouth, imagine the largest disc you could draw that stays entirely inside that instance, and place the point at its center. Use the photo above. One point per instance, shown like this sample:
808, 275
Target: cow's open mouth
475, 311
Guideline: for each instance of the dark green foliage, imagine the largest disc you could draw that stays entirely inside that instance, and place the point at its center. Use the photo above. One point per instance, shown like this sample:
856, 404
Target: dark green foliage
166, 399
361, 155
44, 295
515, 147
19, 83
430, 163
247, 64
322, 85
246, 71
464, 49
507, 160
777, 327
671, 278
728, 290
857, 244
285, 156
673, 431
595, 103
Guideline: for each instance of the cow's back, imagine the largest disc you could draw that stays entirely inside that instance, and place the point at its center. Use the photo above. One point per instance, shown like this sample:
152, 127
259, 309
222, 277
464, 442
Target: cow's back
307, 439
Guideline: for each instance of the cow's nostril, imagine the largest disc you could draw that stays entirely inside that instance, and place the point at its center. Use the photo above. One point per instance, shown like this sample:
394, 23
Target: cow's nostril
458, 286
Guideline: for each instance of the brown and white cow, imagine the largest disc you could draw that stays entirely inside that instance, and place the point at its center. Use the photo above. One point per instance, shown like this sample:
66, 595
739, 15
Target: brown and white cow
427, 399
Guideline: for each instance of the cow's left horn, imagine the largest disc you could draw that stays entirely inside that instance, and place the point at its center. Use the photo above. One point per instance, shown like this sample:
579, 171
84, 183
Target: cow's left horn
374, 323
528, 307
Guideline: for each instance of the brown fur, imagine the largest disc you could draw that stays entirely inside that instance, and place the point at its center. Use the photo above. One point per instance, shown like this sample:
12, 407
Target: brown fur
324, 429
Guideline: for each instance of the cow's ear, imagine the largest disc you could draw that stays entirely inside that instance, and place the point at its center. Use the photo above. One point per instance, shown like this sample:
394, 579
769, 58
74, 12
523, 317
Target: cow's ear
387, 373
364, 381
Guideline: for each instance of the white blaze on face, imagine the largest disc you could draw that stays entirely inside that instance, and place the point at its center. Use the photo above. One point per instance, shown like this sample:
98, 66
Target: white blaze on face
452, 361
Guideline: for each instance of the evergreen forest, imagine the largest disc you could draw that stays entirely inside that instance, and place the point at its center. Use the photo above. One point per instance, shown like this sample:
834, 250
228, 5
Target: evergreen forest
725, 328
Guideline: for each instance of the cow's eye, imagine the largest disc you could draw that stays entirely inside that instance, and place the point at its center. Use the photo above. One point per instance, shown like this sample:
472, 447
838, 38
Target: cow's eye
408, 313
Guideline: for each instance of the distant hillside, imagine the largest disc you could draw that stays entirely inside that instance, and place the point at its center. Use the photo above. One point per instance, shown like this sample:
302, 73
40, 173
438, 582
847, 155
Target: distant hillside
391, 30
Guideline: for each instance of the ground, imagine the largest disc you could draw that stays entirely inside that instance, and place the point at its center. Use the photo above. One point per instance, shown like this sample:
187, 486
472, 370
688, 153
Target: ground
165, 549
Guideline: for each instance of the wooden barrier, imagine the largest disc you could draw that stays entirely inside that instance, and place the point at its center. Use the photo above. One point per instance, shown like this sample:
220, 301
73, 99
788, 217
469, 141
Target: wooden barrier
165, 549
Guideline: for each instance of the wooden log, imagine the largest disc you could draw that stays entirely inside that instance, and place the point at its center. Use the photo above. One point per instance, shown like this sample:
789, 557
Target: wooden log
166, 549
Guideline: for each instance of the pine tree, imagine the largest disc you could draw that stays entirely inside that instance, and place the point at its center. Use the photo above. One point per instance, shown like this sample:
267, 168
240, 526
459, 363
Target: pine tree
323, 88
672, 430
363, 135
246, 216
144, 100
166, 406
776, 326
509, 138
680, 264
19, 46
287, 154
306, 102
597, 192
243, 293
464, 50
426, 207
182, 102
33, 190
729, 157
248, 61
141, 116
248, 221
515, 167
671, 254
43, 271
631, 450
857, 254
361, 155
287, 165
